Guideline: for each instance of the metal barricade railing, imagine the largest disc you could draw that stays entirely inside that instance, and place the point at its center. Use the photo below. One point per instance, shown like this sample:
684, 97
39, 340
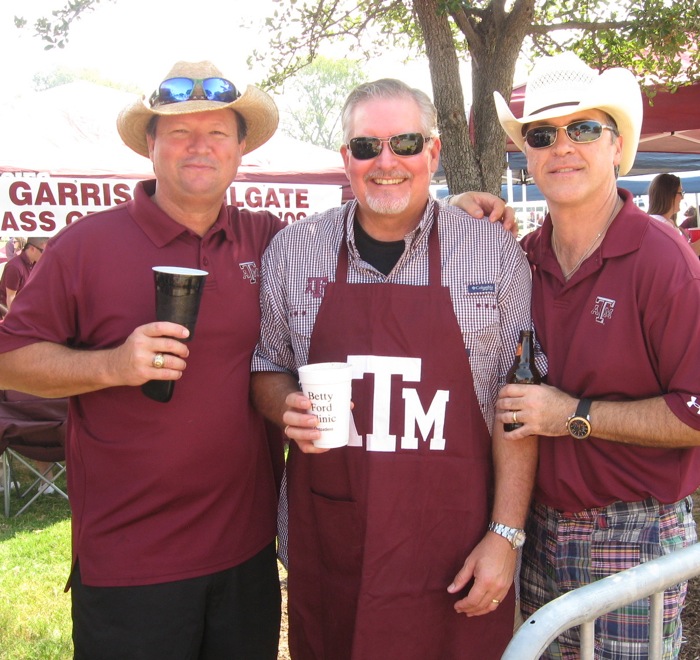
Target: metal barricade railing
584, 605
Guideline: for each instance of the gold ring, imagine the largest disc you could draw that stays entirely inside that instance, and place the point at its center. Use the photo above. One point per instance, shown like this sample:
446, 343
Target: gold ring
515, 417
496, 601
158, 361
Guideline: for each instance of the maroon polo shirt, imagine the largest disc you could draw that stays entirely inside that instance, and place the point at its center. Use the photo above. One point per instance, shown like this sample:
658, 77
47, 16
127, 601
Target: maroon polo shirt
15, 275
625, 327
159, 492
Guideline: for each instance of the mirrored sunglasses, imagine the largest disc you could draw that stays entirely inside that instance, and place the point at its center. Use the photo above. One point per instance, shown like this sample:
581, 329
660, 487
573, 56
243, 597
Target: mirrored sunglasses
405, 144
582, 131
176, 90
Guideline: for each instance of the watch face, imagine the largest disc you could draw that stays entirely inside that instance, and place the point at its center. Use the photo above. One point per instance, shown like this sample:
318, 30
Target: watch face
519, 539
579, 428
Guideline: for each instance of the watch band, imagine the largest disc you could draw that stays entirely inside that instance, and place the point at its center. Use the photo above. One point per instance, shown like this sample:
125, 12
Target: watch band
579, 424
584, 408
515, 536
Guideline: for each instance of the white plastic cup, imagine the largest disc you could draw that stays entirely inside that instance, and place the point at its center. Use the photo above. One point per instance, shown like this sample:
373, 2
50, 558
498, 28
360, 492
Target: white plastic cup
328, 385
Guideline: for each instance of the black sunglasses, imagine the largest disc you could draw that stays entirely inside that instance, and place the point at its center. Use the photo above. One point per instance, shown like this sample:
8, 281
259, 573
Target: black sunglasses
176, 90
406, 144
582, 131
36, 247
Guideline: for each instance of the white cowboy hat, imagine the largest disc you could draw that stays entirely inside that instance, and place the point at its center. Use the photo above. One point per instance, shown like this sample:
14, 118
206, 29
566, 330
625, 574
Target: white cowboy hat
255, 106
563, 84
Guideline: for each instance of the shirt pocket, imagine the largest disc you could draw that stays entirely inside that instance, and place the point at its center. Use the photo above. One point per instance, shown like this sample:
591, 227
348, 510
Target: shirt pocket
479, 318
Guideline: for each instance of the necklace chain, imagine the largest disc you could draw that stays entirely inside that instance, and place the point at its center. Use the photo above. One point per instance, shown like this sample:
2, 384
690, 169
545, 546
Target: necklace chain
592, 245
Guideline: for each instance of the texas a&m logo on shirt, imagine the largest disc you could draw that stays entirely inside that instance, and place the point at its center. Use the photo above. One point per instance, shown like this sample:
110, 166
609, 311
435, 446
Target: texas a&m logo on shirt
603, 309
416, 417
250, 271
316, 286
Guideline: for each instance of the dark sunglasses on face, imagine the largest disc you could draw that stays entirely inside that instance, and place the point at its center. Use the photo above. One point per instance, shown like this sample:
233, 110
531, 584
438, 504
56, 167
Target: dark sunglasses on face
176, 90
406, 144
582, 131
36, 247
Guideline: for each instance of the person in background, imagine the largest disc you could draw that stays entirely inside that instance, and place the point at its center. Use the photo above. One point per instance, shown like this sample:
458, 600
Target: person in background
17, 270
665, 197
616, 302
389, 538
173, 505
690, 218
13, 247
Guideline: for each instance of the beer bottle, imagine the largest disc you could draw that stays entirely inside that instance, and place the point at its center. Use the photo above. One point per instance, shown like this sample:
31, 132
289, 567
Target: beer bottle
524, 370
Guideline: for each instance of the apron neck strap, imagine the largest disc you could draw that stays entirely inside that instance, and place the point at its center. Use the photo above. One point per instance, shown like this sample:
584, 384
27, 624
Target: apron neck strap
434, 266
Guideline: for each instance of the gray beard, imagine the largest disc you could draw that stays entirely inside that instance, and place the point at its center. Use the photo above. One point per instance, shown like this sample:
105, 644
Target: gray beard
388, 206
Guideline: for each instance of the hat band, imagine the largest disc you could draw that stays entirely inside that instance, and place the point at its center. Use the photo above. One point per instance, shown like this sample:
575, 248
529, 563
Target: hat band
555, 105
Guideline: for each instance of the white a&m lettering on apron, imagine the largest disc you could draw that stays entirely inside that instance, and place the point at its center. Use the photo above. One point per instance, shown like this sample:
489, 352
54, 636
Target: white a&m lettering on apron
409, 369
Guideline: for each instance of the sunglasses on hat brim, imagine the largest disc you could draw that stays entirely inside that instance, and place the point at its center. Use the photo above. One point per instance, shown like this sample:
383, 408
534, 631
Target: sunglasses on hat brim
580, 132
405, 144
177, 90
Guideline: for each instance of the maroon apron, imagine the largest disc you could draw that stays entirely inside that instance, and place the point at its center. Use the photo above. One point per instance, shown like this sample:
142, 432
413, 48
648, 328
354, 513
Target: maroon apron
377, 532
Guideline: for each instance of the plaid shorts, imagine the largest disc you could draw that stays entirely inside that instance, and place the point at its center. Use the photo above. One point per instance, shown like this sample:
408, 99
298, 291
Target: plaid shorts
568, 550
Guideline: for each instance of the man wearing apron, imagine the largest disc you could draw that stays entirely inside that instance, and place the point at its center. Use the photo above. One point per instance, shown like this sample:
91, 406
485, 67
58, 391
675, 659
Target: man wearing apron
390, 553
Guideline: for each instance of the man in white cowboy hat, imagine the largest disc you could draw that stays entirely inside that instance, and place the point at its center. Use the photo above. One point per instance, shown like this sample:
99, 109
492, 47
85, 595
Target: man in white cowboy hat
616, 299
174, 505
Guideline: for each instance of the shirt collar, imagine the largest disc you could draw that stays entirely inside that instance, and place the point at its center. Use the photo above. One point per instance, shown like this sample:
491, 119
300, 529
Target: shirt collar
414, 237
624, 235
160, 228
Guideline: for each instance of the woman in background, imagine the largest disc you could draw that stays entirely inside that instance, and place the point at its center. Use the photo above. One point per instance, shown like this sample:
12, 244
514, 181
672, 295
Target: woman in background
665, 197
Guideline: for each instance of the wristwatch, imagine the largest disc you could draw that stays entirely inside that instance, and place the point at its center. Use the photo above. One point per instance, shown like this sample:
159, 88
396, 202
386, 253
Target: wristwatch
579, 424
515, 536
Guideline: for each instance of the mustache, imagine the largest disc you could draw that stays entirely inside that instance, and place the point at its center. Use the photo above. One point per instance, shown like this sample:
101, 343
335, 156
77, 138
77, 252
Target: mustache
388, 174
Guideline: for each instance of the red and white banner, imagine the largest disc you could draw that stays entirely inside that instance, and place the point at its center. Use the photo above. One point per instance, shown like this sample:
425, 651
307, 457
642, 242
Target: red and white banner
42, 206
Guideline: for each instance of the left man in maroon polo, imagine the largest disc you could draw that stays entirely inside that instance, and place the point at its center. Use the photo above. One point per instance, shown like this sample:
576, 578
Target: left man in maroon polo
174, 505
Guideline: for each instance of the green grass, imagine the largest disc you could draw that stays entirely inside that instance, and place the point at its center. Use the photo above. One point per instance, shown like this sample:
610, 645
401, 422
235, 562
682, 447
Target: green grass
35, 621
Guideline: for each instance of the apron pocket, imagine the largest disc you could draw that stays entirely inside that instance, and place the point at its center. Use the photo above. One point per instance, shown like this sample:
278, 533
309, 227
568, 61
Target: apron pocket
340, 535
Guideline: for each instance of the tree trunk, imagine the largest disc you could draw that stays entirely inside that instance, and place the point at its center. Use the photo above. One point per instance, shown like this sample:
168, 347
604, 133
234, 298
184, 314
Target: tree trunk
494, 47
475, 163
461, 169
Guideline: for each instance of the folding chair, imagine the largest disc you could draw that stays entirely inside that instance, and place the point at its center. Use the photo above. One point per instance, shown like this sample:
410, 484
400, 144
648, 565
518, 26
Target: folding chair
31, 429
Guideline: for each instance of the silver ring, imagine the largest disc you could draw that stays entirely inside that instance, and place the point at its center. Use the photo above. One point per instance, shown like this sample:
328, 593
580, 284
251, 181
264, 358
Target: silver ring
515, 417
285, 430
158, 361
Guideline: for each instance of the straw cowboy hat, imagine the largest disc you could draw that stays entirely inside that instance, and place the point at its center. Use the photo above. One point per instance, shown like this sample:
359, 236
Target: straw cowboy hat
255, 106
563, 84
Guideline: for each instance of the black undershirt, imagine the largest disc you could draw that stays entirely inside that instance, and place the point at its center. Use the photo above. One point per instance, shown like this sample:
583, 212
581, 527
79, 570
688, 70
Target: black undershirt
383, 255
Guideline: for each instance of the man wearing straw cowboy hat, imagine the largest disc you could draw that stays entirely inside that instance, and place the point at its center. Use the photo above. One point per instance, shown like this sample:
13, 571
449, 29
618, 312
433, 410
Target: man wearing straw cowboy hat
616, 299
174, 506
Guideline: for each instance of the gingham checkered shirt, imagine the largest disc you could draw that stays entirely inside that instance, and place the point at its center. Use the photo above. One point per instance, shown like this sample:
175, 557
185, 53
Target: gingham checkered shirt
483, 266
